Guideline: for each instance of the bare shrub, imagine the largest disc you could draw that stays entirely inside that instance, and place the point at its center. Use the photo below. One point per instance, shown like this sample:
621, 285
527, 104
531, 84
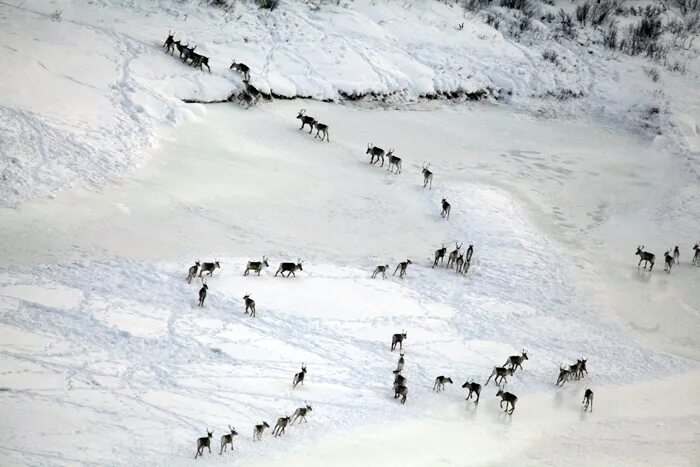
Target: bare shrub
610, 35
493, 20
566, 24
652, 73
644, 35
582, 13
550, 56
688, 6
527, 7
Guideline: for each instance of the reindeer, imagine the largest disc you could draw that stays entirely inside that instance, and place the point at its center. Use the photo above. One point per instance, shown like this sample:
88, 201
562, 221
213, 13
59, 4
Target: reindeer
646, 257
380, 269
581, 362
440, 255
460, 263
427, 177
398, 339
256, 266
399, 380
401, 391
499, 372
203, 294
289, 268
279, 428
187, 53
394, 161
192, 272
299, 377
253, 91
181, 48
474, 388
241, 68
249, 305
301, 413
468, 259
209, 267
453, 255
440, 383
321, 128
516, 361
696, 256
169, 43
399, 365
228, 439
306, 120
204, 442
259, 430
377, 152
564, 376
446, 207
668, 261
508, 398
247, 98
587, 400
676, 254
199, 60
402, 267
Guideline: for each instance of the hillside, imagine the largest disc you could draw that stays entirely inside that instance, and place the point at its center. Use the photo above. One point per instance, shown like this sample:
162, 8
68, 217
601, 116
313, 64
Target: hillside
113, 186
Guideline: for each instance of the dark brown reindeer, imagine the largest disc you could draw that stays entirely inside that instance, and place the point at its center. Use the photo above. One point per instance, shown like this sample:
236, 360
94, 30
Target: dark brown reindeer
394, 162
281, 425
460, 264
375, 152
646, 257
676, 254
290, 268
399, 364
228, 439
199, 60
192, 272
440, 382
440, 255
321, 129
249, 305
508, 398
564, 375
500, 373
427, 177
204, 442
203, 294
256, 266
402, 267
246, 98
399, 380
515, 361
696, 256
306, 120
446, 207
453, 255
382, 269
398, 339
468, 258
474, 388
301, 413
241, 68
668, 261
182, 49
259, 430
587, 400
401, 391
209, 267
169, 43
187, 53
299, 377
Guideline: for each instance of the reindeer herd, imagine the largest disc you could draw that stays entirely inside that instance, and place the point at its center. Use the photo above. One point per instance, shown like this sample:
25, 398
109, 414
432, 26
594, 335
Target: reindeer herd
669, 259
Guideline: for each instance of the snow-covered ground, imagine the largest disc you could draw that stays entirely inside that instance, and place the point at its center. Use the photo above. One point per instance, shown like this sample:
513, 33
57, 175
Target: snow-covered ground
127, 353
105, 359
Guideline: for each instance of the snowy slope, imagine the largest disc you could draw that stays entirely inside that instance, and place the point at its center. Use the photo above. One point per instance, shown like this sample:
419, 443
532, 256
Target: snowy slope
104, 356
127, 353
99, 65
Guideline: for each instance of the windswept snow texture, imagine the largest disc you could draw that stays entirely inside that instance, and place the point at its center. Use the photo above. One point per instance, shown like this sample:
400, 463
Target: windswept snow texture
90, 83
121, 351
